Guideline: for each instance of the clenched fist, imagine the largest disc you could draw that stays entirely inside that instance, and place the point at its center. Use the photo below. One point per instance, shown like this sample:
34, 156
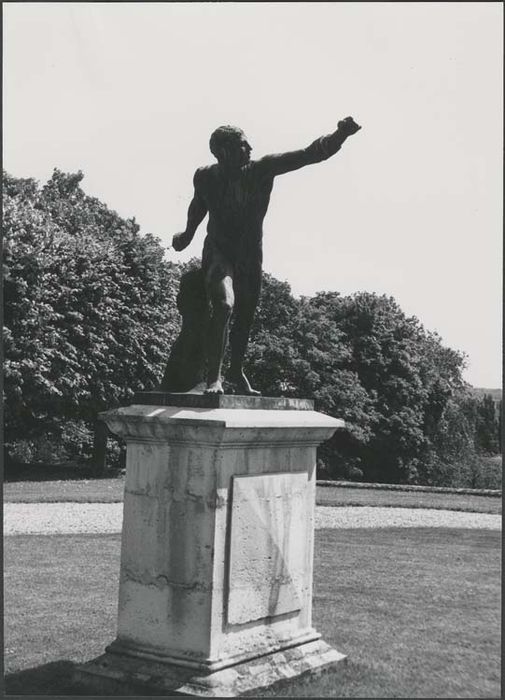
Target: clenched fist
180, 241
348, 126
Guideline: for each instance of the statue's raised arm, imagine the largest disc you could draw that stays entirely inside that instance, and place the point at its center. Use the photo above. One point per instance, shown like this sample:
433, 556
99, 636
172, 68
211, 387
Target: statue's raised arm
321, 149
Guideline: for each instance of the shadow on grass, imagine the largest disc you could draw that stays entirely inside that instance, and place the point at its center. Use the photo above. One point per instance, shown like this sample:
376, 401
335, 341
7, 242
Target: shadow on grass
57, 679
54, 678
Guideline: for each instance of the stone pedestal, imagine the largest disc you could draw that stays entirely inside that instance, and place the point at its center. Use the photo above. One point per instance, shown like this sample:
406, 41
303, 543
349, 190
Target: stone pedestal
215, 586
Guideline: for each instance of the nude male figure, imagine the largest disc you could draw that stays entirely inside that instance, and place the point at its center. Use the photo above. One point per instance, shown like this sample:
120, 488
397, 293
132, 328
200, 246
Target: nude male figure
235, 192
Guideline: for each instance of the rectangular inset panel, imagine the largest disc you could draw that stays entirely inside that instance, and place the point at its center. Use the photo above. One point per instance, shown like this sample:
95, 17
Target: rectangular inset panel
268, 546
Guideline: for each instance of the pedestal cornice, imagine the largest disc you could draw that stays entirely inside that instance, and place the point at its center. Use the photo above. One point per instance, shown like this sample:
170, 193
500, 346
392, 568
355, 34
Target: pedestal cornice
224, 427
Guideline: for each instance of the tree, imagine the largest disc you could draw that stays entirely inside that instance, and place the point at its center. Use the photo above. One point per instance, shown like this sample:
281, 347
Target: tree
487, 425
364, 361
271, 357
499, 427
89, 308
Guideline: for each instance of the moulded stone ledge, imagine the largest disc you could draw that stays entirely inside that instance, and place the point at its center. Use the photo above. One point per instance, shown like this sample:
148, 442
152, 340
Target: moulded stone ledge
267, 643
220, 427
114, 673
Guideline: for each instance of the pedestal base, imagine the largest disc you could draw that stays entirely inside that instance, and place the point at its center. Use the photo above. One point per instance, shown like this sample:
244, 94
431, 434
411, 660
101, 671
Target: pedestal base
115, 673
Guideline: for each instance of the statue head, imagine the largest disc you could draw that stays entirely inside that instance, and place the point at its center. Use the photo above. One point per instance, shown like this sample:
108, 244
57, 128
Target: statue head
230, 146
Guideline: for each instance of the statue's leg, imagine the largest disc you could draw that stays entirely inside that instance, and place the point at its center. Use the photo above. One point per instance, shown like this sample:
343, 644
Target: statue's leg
247, 291
219, 283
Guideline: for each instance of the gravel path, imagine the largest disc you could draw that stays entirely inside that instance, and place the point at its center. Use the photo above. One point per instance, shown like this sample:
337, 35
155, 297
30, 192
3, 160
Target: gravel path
103, 518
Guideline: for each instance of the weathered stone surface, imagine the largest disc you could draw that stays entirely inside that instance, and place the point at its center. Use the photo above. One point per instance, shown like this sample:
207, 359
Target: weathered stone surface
201, 400
114, 673
268, 558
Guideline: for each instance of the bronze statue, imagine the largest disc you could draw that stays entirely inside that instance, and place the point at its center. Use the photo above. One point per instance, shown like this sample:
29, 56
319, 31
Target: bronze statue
235, 192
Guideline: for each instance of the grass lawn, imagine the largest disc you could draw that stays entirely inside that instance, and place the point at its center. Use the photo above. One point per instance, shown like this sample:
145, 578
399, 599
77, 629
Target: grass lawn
64, 491
111, 491
417, 611
335, 496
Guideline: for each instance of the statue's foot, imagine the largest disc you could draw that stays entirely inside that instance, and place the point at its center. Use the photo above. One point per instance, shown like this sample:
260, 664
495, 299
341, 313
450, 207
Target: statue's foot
242, 384
214, 388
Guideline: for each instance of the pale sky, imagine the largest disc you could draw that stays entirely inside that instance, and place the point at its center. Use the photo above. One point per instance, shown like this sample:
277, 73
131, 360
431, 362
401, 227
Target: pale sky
410, 207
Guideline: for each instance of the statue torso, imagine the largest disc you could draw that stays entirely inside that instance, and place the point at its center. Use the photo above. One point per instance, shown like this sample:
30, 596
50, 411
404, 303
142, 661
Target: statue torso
237, 203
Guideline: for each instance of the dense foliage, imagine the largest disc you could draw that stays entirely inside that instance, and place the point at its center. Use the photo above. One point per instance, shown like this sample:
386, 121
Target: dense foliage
90, 316
89, 311
399, 389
